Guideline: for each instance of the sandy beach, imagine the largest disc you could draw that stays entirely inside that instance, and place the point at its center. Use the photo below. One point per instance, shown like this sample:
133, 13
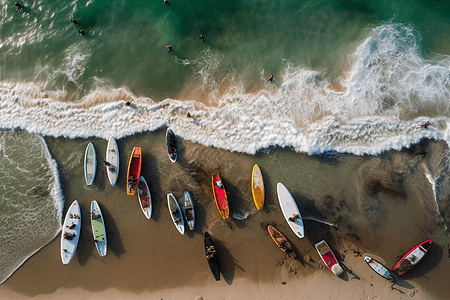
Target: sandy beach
381, 206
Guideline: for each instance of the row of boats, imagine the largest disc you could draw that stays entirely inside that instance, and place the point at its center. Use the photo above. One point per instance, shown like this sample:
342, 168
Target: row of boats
287, 204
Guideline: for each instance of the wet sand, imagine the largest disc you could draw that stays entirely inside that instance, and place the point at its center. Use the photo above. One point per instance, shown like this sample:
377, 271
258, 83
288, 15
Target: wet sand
381, 206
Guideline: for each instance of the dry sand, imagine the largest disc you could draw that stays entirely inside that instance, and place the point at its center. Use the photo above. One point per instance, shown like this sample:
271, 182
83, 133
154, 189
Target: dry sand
381, 206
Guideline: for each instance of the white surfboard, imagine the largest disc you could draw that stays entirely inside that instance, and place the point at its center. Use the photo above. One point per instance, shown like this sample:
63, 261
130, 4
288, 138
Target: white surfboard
90, 164
145, 199
112, 160
175, 212
70, 233
290, 210
98, 229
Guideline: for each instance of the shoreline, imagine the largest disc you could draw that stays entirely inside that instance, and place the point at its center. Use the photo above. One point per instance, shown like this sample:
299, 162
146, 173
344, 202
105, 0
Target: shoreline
146, 258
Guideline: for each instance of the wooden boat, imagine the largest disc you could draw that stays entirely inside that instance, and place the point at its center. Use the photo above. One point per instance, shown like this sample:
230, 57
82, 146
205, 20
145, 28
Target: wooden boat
379, 268
98, 229
145, 199
70, 233
281, 241
175, 213
328, 258
412, 258
257, 187
134, 171
220, 196
211, 256
171, 145
188, 208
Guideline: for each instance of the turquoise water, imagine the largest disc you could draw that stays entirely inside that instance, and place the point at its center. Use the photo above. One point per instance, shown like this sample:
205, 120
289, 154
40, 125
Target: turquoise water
350, 76
125, 41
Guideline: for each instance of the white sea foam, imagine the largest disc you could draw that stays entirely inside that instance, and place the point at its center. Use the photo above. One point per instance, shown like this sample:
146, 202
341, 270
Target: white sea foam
389, 91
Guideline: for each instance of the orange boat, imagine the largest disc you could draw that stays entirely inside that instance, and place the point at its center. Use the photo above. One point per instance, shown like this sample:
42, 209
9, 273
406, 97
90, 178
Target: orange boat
134, 171
220, 196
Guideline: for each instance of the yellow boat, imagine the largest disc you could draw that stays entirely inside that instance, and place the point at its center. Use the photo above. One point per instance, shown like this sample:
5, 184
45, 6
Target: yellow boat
257, 187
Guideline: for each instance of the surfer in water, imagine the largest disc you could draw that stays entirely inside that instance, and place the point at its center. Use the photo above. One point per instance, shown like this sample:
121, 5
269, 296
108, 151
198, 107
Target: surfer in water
168, 3
75, 21
271, 79
19, 5
81, 31
425, 125
202, 37
169, 48
128, 102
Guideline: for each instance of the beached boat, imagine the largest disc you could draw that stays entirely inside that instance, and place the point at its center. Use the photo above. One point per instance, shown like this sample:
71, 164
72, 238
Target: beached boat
171, 145
281, 241
328, 258
134, 171
175, 212
290, 210
144, 197
379, 268
211, 256
220, 196
98, 229
412, 258
257, 187
90, 164
70, 233
112, 161
188, 208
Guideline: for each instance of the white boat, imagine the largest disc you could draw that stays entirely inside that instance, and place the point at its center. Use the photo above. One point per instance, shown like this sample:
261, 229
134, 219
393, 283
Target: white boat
290, 210
70, 233
175, 212
112, 161
90, 164
188, 209
145, 199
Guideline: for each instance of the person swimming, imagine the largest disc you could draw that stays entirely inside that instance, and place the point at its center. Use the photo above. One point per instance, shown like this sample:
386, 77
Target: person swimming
168, 3
75, 21
19, 5
169, 48
202, 37
81, 31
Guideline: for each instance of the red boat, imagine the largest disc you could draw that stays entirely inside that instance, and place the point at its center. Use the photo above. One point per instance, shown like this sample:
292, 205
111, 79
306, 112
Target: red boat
412, 258
281, 241
134, 171
220, 196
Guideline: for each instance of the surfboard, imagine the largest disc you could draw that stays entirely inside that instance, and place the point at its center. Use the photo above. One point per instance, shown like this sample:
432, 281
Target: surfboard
171, 145
412, 258
290, 210
112, 161
281, 241
70, 233
134, 171
328, 258
220, 197
145, 199
90, 164
175, 212
188, 209
211, 256
98, 229
379, 268
257, 187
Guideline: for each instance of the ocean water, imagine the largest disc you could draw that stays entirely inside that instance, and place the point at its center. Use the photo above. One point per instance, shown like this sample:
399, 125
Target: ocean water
350, 76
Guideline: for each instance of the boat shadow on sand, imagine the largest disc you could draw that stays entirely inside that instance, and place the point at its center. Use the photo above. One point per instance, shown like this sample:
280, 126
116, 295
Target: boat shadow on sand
227, 262
115, 244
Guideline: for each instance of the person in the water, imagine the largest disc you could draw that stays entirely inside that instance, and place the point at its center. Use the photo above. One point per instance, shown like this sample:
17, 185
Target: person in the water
81, 31
270, 79
169, 48
168, 3
75, 21
19, 5
202, 37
